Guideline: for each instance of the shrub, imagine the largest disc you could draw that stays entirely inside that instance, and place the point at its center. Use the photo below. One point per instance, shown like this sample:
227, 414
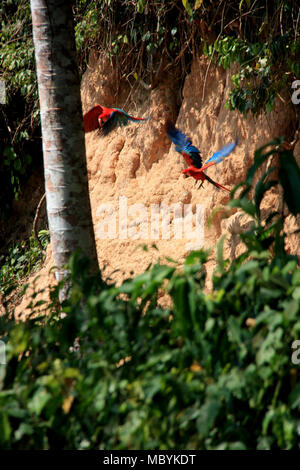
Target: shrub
212, 371
22, 259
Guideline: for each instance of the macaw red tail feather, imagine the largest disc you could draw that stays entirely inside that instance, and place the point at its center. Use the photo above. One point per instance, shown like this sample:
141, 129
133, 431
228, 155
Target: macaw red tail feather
217, 185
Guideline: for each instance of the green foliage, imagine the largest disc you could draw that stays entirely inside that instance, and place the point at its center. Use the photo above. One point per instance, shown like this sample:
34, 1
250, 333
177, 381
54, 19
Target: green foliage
119, 371
188, 7
133, 34
191, 10
19, 115
265, 70
14, 163
16, 49
266, 48
22, 259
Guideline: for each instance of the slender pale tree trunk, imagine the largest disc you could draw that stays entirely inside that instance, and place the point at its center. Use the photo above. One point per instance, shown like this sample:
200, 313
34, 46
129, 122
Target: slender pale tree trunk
68, 203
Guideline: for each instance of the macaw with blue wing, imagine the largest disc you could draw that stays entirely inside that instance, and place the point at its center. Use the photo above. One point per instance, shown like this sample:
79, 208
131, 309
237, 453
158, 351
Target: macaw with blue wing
106, 119
192, 156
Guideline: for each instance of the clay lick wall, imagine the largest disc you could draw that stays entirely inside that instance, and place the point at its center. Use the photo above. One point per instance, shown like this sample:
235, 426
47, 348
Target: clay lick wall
139, 163
136, 168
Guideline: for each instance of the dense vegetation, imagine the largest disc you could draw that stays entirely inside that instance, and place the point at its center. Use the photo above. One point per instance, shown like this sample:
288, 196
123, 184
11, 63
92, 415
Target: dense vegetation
23, 258
112, 369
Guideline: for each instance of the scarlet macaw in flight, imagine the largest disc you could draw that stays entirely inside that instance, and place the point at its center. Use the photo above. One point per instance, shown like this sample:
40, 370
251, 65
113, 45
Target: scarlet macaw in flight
106, 119
192, 156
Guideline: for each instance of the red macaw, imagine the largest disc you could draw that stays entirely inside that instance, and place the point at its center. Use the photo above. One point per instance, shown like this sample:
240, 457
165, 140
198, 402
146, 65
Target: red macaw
106, 119
192, 156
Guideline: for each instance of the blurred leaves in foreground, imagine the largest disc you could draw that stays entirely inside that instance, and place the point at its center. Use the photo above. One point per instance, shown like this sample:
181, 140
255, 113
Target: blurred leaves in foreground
113, 369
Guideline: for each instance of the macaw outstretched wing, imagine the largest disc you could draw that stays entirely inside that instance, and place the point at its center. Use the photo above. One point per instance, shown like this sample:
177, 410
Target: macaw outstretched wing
183, 145
220, 155
90, 119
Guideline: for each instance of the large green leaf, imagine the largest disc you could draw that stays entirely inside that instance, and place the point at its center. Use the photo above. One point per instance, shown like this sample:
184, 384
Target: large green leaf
207, 416
188, 7
289, 176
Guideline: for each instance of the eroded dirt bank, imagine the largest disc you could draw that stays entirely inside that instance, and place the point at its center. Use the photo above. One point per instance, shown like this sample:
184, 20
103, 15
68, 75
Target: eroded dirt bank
138, 165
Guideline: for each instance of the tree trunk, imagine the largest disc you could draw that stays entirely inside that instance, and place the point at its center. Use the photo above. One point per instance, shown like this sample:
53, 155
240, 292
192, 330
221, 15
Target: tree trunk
67, 194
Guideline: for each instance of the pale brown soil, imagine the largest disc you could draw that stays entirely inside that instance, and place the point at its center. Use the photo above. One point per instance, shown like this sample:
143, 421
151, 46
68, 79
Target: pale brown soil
139, 162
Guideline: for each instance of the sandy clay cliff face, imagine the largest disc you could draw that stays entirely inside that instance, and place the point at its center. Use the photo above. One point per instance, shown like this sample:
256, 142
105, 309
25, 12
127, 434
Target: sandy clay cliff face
135, 169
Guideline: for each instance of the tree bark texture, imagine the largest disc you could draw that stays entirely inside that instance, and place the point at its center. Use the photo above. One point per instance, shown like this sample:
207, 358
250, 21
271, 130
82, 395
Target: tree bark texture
67, 194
